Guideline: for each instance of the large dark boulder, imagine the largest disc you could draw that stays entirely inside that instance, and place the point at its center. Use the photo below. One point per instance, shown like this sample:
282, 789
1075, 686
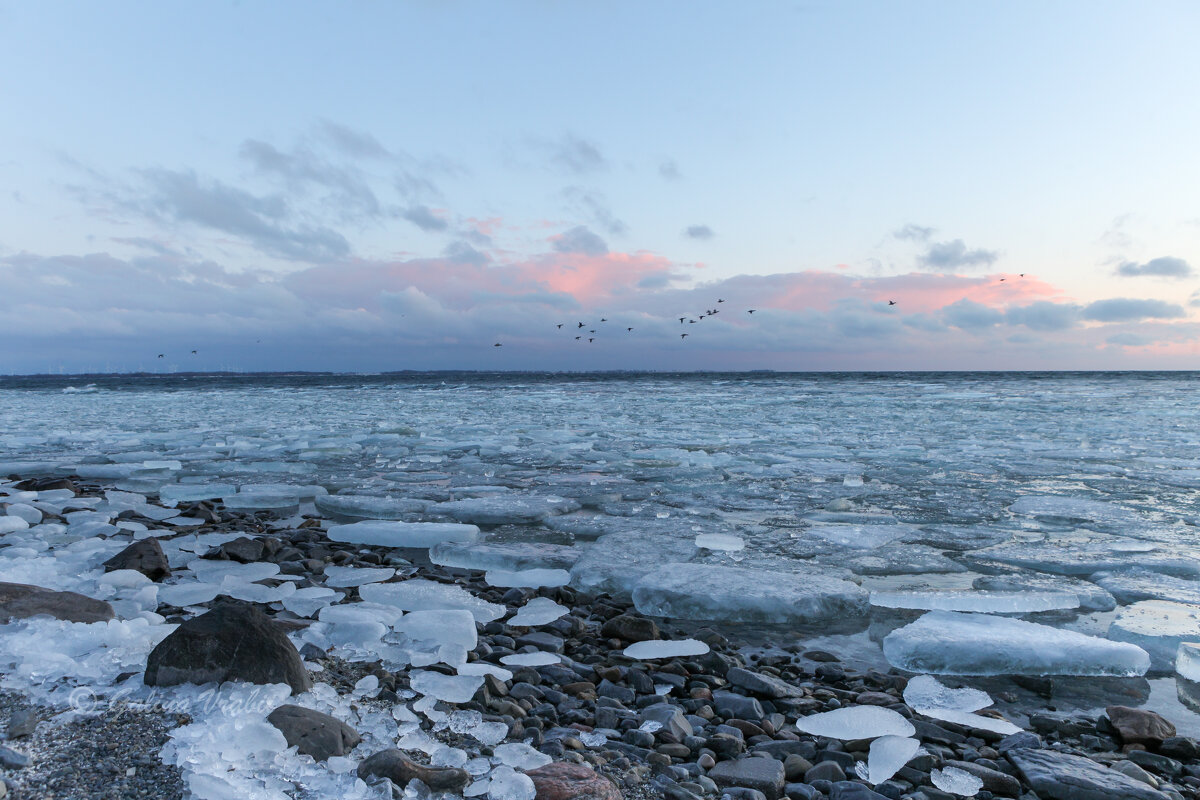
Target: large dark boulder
232, 642
313, 733
20, 601
1059, 776
1139, 726
400, 769
146, 556
630, 628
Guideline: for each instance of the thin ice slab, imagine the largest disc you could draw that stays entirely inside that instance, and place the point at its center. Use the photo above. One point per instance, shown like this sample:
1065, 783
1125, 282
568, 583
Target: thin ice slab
663, 648
505, 509
527, 578
615, 563
505, 555
735, 594
364, 507
856, 723
955, 643
423, 595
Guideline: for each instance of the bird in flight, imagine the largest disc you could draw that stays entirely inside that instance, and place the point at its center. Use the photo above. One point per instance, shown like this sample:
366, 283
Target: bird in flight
1022, 274
683, 336
720, 301
160, 355
559, 325
629, 329
1002, 280
591, 339
193, 352
497, 344
580, 325
751, 311
603, 319
578, 337
891, 302
681, 319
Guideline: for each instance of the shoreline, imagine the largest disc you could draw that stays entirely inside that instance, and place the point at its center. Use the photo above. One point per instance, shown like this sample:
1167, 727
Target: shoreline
722, 722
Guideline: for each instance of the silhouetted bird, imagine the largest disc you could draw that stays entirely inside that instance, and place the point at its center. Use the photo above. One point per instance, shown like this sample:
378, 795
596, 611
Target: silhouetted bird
681, 319
497, 344
559, 325
591, 340
751, 310
1002, 280
602, 319
683, 336
580, 325
591, 331
629, 329
578, 337
160, 355
720, 301
1022, 274
692, 321
193, 352
891, 302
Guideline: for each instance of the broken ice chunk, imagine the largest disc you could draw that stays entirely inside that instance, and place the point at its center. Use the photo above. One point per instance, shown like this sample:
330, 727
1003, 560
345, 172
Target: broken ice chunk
1158, 627
276, 503
956, 781
888, 755
538, 611
508, 784
616, 562
447, 688
1091, 597
720, 541
423, 595
956, 643
443, 626
344, 577
1131, 586
402, 534
925, 692
969, 720
659, 648
856, 722
1085, 553
484, 668
735, 594
1071, 508
191, 492
1187, 661
975, 600
213, 571
188, 594
256, 592
308, 601
520, 756
538, 659
527, 578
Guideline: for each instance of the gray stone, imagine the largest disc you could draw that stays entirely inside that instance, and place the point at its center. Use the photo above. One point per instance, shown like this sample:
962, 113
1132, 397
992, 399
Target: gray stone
542, 641
12, 759
20, 601
1153, 761
762, 685
1137, 773
22, 723
233, 641
400, 769
825, 771
630, 628
764, 774
994, 780
847, 790
311, 732
1059, 776
731, 705
670, 717
146, 556
1017, 741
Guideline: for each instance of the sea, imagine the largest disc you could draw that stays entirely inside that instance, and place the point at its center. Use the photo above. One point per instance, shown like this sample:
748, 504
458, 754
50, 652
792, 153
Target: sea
930, 481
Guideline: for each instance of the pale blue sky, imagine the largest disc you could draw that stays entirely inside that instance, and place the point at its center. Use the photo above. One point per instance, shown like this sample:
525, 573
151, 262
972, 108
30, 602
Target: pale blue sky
231, 144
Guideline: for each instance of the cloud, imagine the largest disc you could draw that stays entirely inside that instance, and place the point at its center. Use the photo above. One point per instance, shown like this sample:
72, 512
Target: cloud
265, 221
1129, 340
698, 232
668, 170
356, 144
573, 154
579, 240
424, 219
343, 189
1164, 267
594, 205
1044, 316
972, 316
1194, 299
1122, 309
955, 255
915, 233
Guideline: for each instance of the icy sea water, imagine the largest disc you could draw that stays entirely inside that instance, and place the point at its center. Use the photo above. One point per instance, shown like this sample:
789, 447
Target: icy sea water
998, 482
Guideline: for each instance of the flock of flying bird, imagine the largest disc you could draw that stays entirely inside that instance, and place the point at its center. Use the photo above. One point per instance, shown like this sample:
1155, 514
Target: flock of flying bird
707, 313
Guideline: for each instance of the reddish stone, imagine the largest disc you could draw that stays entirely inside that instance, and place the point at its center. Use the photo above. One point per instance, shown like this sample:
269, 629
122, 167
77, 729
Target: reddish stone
1138, 726
565, 781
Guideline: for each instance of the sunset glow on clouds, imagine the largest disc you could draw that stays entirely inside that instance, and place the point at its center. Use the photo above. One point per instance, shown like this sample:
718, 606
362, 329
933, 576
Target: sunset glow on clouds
477, 197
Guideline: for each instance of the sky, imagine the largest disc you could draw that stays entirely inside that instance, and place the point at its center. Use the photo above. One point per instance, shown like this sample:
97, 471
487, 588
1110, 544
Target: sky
372, 186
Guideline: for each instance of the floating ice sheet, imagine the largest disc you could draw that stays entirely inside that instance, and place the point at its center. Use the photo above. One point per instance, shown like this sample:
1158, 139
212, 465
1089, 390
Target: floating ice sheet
616, 562
983, 601
403, 534
1091, 597
1084, 553
506, 509
365, 507
860, 537
720, 541
504, 555
735, 594
1074, 508
955, 643
1158, 627
1131, 586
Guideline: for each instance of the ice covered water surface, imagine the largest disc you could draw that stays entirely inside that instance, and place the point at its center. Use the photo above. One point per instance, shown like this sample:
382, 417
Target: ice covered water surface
1084, 553
720, 541
504, 509
1076, 508
862, 537
344, 577
365, 507
1130, 586
1158, 627
990, 602
735, 594
617, 561
1091, 597
955, 643
504, 555
856, 722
